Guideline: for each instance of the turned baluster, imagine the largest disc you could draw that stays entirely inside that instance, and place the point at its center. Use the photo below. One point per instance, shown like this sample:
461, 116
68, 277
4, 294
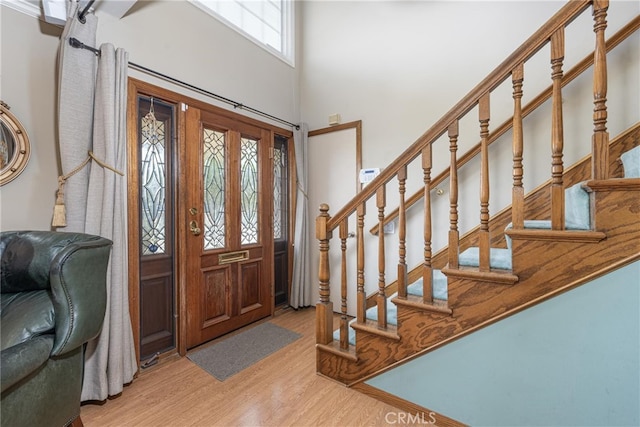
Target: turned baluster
362, 298
557, 138
402, 235
517, 193
600, 139
381, 299
454, 236
427, 285
324, 308
483, 233
344, 323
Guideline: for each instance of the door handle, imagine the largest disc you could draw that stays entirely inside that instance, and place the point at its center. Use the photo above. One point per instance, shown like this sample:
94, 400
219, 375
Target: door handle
193, 227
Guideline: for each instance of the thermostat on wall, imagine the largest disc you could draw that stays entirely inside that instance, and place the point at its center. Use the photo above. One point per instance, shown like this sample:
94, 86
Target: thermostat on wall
367, 175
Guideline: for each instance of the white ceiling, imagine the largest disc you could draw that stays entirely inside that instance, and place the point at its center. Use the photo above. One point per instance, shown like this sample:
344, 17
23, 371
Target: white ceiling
56, 9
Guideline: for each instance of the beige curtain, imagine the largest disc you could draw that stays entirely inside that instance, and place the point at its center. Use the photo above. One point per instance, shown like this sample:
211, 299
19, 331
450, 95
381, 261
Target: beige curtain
92, 117
301, 283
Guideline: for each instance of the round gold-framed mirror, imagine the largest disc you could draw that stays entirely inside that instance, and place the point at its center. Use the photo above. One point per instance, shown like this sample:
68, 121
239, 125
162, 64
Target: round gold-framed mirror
14, 146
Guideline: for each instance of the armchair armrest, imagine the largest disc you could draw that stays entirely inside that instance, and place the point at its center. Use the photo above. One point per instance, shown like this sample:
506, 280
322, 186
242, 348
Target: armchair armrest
73, 266
78, 284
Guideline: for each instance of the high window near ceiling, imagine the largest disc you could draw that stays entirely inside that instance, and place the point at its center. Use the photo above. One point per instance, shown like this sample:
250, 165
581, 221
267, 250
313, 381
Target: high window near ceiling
268, 23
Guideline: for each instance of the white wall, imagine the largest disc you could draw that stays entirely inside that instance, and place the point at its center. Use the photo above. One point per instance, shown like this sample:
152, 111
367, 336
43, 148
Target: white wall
178, 39
400, 65
28, 49
171, 37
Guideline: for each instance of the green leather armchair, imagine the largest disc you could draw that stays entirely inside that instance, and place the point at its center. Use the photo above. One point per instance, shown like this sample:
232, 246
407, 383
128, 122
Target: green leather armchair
52, 301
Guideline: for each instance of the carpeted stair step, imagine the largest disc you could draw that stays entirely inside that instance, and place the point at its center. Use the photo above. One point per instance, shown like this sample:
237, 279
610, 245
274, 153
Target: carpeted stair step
631, 162
577, 217
498, 258
439, 292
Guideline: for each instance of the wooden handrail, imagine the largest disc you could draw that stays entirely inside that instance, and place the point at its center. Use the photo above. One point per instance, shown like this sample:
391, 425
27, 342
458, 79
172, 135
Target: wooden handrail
551, 32
569, 76
536, 42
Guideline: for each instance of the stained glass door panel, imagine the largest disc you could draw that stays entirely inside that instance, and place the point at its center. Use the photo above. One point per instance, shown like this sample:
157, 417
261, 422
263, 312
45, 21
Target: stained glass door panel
156, 130
213, 166
229, 245
280, 220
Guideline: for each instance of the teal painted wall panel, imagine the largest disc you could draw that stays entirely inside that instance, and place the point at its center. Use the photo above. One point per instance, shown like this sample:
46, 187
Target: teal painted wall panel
571, 361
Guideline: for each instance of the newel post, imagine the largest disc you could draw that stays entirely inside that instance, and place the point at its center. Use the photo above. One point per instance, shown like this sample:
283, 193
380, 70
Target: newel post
324, 308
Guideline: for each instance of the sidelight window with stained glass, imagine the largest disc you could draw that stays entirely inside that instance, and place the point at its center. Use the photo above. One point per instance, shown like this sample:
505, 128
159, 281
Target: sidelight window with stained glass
214, 188
280, 179
249, 190
153, 172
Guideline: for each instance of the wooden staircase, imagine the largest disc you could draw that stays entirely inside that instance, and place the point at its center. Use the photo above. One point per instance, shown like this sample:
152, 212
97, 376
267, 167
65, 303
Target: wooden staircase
544, 262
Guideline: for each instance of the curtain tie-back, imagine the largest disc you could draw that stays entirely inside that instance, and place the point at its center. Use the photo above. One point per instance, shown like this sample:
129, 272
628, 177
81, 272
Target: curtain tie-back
59, 210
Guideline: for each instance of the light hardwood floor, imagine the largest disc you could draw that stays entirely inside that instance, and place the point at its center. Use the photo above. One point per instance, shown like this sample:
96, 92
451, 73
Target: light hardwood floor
281, 390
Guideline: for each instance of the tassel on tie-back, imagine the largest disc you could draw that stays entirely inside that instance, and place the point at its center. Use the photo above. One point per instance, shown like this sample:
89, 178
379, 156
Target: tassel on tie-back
59, 210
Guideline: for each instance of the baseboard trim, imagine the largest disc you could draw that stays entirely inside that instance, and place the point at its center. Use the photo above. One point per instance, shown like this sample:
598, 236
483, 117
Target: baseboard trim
419, 414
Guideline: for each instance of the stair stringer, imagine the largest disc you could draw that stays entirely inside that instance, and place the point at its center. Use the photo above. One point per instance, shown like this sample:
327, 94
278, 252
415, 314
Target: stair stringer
375, 349
568, 264
476, 304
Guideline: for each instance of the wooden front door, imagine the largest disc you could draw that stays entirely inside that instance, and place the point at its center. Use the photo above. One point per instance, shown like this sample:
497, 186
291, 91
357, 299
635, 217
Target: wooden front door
229, 239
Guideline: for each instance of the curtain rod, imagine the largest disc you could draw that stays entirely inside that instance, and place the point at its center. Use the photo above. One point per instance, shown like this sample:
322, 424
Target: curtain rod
84, 12
78, 44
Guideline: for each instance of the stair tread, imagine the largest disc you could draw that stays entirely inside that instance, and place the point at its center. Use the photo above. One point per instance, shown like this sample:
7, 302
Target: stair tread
505, 277
334, 347
582, 236
613, 184
437, 306
371, 326
439, 284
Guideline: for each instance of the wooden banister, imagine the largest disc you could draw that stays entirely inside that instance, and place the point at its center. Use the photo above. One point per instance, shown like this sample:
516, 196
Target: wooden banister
324, 308
361, 296
517, 193
402, 235
557, 138
551, 32
427, 281
536, 42
569, 76
483, 236
454, 234
344, 323
381, 201
600, 141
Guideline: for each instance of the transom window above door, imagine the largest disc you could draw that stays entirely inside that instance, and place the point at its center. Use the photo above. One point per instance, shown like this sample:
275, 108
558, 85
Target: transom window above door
268, 23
